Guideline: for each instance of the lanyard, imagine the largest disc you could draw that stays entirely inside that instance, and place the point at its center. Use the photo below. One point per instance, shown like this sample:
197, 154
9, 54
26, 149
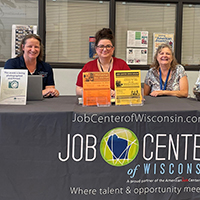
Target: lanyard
165, 85
102, 67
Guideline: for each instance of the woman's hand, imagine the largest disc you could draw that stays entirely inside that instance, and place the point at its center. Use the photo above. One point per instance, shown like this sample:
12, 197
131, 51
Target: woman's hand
112, 93
183, 92
50, 91
79, 91
157, 93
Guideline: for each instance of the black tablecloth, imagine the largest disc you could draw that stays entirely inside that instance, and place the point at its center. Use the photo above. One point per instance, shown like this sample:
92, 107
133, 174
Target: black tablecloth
54, 149
70, 103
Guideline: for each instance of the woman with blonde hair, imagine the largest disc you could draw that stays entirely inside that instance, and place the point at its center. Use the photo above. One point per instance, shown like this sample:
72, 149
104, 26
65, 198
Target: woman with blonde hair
166, 76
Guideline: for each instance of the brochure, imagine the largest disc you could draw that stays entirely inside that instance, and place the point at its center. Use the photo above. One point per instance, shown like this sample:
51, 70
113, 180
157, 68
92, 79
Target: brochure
159, 38
136, 56
13, 86
128, 87
92, 51
96, 89
137, 38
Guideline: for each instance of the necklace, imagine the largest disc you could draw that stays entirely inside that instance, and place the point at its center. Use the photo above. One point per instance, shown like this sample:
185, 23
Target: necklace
165, 84
102, 67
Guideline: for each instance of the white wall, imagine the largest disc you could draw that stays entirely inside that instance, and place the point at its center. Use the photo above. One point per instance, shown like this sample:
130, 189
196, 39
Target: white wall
66, 80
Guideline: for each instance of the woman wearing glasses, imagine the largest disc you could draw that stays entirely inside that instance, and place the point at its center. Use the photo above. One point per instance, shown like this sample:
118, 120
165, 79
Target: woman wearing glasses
104, 45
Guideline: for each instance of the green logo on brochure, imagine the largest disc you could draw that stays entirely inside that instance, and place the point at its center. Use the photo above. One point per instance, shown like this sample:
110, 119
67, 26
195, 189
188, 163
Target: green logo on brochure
13, 84
119, 146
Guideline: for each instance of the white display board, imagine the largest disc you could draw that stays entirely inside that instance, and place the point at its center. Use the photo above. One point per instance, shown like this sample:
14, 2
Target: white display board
13, 86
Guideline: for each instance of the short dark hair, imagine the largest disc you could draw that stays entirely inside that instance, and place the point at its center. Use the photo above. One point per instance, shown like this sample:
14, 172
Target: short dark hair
23, 42
105, 33
155, 63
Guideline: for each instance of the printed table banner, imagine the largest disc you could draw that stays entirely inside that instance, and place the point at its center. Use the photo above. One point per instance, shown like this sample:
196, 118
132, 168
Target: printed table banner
115, 153
133, 156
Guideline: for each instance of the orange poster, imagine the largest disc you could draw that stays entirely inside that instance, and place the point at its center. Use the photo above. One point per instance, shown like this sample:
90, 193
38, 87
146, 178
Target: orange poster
96, 88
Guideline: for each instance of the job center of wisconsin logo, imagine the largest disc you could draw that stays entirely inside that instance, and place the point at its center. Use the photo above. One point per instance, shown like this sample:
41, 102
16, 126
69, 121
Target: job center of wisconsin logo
119, 146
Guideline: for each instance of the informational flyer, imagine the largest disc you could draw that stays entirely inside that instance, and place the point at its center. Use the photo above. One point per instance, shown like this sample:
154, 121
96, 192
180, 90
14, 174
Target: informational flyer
13, 86
92, 51
18, 33
136, 56
128, 87
137, 38
160, 38
96, 89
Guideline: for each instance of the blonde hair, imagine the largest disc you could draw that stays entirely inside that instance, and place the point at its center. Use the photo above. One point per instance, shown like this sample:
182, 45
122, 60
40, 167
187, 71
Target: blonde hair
155, 63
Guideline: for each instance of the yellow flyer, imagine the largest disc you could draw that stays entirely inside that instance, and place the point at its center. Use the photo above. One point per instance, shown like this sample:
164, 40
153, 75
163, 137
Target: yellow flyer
96, 88
128, 87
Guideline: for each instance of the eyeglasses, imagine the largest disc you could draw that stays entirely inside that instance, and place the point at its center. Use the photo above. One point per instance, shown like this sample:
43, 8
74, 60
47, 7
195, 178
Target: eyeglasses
108, 47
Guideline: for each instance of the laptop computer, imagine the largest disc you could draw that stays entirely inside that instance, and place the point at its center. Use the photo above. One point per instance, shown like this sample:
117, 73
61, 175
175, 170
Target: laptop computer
34, 88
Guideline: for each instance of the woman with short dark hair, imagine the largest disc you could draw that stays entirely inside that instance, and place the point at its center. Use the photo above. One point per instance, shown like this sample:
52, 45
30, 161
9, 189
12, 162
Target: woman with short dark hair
105, 46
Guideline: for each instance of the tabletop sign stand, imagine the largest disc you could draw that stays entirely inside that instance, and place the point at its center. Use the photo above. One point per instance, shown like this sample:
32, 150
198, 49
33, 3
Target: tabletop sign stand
128, 88
96, 89
13, 87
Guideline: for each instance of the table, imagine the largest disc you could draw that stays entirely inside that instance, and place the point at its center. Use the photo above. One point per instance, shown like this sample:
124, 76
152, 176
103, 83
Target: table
56, 149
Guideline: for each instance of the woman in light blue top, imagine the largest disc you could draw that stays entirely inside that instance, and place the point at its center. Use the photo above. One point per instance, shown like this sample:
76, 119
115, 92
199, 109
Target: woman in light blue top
166, 76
